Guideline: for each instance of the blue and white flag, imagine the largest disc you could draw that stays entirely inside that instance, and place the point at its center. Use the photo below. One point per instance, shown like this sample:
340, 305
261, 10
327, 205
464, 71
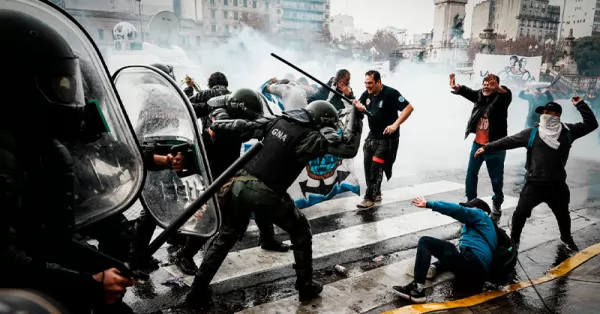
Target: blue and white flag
323, 178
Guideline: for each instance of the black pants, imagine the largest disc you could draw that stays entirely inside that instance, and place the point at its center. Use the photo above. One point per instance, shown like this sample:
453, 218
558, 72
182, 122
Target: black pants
462, 263
556, 196
377, 155
244, 199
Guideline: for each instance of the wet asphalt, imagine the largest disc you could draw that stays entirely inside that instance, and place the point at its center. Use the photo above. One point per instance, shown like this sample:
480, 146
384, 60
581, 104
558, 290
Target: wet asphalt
584, 181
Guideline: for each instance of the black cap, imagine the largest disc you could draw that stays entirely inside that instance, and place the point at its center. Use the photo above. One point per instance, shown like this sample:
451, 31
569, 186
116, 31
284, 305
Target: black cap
477, 203
551, 106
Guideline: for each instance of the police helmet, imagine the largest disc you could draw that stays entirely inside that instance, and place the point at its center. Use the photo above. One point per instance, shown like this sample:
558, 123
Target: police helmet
247, 103
322, 113
44, 73
168, 69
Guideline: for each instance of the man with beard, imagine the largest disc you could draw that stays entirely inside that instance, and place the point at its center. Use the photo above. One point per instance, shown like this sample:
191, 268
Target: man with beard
341, 83
290, 142
222, 151
535, 98
381, 145
489, 123
548, 146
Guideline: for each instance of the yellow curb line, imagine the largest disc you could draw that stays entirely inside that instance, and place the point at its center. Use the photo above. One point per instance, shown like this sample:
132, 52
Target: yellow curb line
556, 272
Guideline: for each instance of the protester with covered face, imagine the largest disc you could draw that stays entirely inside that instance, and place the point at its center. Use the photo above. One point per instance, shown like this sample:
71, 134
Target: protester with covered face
380, 147
471, 258
341, 83
548, 145
488, 122
536, 98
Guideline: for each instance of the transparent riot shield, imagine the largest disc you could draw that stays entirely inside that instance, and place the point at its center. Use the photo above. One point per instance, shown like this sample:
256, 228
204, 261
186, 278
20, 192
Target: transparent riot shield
108, 165
177, 171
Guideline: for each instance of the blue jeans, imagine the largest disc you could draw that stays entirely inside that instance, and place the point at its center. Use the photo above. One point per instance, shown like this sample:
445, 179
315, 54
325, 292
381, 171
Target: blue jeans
495, 166
462, 263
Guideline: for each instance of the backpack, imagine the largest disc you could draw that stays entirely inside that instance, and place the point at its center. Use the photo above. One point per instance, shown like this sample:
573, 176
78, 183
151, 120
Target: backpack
534, 132
504, 258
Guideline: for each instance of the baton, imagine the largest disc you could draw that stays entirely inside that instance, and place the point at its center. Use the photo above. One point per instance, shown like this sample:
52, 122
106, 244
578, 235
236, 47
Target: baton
125, 270
318, 82
203, 198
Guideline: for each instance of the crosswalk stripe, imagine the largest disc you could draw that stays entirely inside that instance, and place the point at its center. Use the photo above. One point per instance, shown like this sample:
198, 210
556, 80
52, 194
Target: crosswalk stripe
348, 204
256, 261
373, 288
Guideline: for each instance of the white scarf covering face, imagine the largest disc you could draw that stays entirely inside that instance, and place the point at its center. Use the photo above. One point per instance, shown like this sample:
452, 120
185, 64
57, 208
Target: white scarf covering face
549, 129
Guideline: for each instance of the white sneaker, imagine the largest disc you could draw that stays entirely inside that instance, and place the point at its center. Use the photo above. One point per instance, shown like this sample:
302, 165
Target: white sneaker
410, 270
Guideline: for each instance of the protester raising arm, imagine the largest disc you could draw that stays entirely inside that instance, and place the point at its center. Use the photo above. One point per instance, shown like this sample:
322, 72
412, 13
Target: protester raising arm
589, 123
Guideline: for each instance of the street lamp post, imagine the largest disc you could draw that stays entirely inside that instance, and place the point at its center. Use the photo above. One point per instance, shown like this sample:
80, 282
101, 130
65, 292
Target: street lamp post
373, 54
533, 49
549, 43
509, 43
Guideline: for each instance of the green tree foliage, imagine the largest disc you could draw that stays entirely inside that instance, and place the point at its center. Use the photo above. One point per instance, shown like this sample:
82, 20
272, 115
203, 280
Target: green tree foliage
587, 55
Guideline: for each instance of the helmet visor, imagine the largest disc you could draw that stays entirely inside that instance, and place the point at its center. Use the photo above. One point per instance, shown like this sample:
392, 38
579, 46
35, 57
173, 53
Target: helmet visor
61, 83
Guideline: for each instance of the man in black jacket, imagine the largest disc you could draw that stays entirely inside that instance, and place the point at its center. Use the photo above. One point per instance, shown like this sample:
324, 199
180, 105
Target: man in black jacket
217, 86
488, 122
341, 83
548, 146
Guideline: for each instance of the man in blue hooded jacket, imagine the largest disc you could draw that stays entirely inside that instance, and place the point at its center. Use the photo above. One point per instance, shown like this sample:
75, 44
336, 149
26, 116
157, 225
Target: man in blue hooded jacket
472, 256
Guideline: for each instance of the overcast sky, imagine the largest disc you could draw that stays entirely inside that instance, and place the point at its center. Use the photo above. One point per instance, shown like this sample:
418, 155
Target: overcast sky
414, 15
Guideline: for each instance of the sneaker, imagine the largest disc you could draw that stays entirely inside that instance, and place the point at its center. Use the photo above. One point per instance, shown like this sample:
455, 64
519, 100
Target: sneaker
410, 270
365, 204
378, 198
569, 243
411, 292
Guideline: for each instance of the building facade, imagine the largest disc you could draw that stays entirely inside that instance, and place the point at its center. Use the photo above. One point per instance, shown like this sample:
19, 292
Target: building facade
583, 16
343, 25
303, 15
518, 18
400, 34
100, 17
223, 17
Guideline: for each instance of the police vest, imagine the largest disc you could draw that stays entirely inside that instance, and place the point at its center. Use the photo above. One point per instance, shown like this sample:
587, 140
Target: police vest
277, 164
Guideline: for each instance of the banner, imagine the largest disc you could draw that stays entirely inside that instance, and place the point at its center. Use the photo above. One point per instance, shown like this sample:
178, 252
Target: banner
323, 178
511, 69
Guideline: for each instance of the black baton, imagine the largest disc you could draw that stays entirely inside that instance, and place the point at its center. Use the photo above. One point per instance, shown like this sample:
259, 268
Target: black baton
316, 80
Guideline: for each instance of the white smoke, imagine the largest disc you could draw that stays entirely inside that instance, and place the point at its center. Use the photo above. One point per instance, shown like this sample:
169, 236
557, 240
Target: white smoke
432, 138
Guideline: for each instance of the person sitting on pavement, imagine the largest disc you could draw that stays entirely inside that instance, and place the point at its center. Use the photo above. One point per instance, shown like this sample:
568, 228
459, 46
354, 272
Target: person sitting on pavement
548, 147
472, 256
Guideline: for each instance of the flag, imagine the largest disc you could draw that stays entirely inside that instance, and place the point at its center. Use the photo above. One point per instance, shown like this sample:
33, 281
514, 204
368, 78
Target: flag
324, 177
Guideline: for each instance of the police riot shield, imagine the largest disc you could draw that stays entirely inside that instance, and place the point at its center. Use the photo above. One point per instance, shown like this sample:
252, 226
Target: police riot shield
177, 170
107, 163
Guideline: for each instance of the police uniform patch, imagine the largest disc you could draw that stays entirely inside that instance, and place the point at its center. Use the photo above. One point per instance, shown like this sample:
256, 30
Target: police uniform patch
380, 104
401, 99
368, 101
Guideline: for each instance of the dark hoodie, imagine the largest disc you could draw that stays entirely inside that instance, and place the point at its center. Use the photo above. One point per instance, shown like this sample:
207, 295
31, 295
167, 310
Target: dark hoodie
201, 98
325, 94
496, 106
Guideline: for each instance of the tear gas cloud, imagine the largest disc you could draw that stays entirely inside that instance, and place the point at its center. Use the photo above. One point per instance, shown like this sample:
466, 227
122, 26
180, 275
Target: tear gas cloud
432, 138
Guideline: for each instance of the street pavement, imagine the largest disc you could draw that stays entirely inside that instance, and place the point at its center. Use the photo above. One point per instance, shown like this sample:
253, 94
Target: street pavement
374, 245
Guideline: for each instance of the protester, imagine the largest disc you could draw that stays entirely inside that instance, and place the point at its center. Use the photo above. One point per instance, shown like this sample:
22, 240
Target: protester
341, 83
535, 98
488, 122
381, 145
471, 258
548, 146
292, 94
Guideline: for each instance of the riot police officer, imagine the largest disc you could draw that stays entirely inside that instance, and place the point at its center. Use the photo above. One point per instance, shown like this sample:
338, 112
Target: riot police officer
36, 173
290, 142
222, 151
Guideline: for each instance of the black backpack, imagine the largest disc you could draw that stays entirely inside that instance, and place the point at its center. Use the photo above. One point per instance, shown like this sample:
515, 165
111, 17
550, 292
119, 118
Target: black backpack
504, 258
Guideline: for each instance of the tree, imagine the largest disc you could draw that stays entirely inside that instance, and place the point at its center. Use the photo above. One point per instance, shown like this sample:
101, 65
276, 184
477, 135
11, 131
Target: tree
324, 37
587, 55
384, 42
256, 21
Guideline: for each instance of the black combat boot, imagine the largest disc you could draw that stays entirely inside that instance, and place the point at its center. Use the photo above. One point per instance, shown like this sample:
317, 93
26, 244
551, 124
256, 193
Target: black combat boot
307, 288
200, 294
272, 244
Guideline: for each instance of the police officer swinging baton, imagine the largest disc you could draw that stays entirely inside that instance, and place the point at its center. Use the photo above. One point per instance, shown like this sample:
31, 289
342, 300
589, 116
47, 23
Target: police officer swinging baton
316, 80
182, 219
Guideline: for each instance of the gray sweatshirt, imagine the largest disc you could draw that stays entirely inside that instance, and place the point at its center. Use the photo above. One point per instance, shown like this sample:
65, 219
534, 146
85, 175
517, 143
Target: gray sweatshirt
292, 95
